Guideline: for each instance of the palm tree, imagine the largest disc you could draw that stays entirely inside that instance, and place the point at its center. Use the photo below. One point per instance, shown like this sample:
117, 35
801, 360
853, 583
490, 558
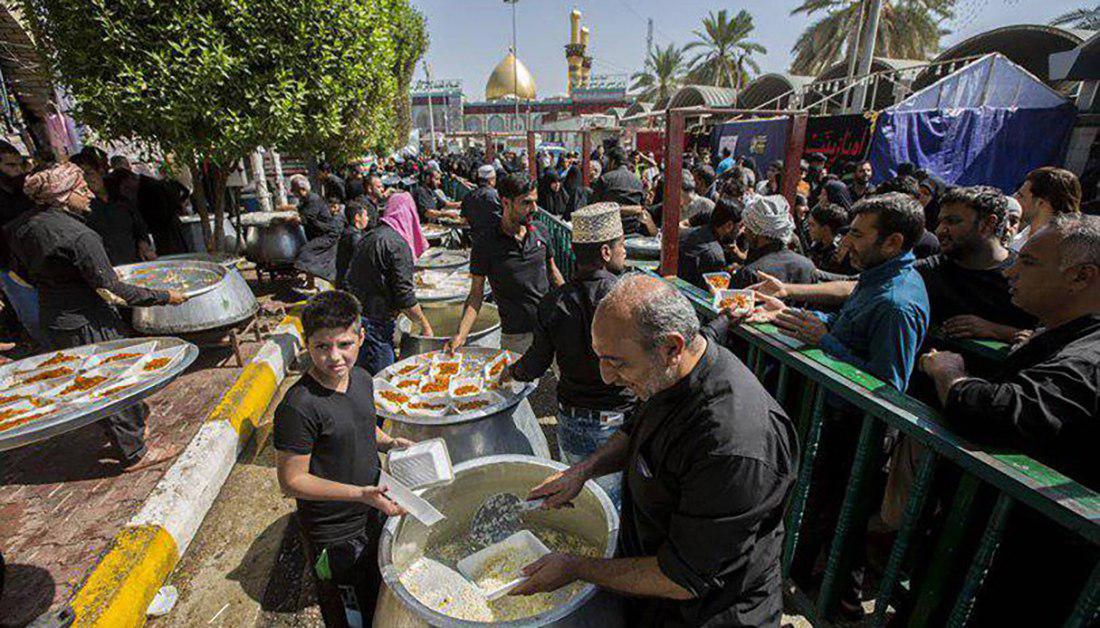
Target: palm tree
724, 55
664, 69
908, 29
1084, 19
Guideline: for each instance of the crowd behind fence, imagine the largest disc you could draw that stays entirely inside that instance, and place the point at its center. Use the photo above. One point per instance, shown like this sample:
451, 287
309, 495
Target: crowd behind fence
934, 572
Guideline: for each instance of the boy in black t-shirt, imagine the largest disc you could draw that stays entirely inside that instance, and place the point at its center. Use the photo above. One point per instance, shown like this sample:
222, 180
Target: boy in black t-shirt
328, 441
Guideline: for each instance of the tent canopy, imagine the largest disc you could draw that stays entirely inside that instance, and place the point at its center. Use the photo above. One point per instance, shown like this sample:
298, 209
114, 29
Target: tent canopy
989, 123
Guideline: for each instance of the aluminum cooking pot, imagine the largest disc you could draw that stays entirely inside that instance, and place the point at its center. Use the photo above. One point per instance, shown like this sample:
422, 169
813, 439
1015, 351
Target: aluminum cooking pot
404, 539
192, 233
444, 317
229, 302
271, 240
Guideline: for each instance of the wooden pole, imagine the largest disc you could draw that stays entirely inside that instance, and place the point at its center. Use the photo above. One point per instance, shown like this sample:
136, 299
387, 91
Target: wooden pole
532, 163
796, 143
674, 174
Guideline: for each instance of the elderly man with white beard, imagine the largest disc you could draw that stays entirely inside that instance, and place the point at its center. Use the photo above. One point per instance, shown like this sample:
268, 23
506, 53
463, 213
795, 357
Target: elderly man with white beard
708, 459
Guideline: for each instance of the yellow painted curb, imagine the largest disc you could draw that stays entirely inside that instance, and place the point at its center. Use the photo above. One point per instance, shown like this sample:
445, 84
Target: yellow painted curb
245, 402
118, 591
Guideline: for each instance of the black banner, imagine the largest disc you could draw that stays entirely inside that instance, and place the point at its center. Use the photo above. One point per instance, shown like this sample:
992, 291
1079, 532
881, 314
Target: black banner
845, 138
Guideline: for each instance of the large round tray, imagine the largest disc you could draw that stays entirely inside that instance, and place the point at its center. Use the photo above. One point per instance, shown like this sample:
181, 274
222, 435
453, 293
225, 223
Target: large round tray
229, 260
434, 232
184, 268
438, 258
643, 247
81, 411
510, 395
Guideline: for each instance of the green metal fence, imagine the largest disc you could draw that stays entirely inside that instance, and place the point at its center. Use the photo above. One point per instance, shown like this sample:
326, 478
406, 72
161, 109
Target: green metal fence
804, 377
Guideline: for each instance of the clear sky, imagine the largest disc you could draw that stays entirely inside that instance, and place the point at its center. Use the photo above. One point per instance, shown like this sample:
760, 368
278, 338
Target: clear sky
469, 37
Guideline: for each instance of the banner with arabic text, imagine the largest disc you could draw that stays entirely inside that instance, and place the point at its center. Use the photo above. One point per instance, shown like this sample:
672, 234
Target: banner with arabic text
841, 138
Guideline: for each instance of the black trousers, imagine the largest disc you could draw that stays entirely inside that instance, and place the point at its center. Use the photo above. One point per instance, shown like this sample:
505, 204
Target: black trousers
125, 430
355, 579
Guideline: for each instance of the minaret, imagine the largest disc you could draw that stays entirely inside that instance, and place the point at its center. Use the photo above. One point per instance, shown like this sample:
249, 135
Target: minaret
574, 50
586, 63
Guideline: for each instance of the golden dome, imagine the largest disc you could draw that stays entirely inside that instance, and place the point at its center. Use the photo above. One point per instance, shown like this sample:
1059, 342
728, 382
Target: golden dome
503, 84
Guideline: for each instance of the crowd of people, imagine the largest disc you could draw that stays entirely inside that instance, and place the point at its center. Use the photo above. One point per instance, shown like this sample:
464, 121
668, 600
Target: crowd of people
652, 403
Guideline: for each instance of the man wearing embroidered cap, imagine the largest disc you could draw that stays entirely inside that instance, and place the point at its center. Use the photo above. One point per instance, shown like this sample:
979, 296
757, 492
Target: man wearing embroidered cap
481, 208
589, 411
768, 230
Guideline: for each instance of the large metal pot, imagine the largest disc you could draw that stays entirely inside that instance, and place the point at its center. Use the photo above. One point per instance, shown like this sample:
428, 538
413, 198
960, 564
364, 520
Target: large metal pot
272, 240
444, 318
404, 540
228, 303
643, 247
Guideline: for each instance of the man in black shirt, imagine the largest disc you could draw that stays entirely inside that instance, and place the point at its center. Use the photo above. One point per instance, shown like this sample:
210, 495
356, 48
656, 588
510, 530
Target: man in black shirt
589, 410
768, 230
966, 284
825, 224
1045, 401
361, 217
709, 459
332, 186
702, 248
481, 208
429, 201
323, 228
619, 185
381, 277
517, 260
118, 222
328, 441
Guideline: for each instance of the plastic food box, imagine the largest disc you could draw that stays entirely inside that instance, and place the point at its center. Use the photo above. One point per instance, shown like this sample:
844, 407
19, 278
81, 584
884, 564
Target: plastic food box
523, 543
717, 281
741, 301
427, 463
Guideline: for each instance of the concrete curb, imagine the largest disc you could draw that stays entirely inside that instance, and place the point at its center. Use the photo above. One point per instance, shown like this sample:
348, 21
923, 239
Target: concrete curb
147, 549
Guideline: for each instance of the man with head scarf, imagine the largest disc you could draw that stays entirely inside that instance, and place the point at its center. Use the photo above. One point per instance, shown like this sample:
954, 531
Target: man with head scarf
768, 229
65, 260
381, 276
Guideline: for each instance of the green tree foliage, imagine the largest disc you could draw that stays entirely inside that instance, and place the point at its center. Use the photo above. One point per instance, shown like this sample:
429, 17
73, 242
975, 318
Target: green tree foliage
664, 69
908, 29
724, 52
209, 80
410, 44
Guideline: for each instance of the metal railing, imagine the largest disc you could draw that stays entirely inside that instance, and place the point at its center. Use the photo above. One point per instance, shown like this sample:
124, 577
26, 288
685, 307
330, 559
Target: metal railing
802, 379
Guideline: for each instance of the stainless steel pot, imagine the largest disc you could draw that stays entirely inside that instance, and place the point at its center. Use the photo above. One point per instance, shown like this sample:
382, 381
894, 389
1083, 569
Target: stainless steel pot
271, 240
512, 429
444, 318
643, 248
229, 302
404, 539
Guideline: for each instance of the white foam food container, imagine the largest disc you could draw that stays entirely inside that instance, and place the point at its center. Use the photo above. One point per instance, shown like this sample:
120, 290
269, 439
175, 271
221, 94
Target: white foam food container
428, 405
742, 301
446, 364
157, 361
466, 387
409, 383
427, 463
122, 357
524, 543
388, 398
414, 368
464, 405
717, 281
417, 507
494, 369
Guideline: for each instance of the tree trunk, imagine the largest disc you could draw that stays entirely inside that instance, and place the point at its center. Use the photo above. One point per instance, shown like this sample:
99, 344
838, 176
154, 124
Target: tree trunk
220, 178
198, 199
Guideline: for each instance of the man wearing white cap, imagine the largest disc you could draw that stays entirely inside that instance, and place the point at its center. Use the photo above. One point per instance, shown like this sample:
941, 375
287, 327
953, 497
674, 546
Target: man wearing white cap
481, 208
768, 230
589, 410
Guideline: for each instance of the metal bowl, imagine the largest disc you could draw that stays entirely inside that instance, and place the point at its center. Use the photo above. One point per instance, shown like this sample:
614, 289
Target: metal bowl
229, 302
437, 258
80, 412
229, 260
192, 278
458, 291
272, 239
444, 317
405, 539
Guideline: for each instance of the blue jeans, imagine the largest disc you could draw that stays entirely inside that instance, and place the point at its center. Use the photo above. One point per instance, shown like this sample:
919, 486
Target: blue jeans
378, 351
24, 300
580, 433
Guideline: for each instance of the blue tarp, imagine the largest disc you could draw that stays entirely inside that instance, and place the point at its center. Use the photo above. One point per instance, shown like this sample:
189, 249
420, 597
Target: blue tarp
989, 123
763, 140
